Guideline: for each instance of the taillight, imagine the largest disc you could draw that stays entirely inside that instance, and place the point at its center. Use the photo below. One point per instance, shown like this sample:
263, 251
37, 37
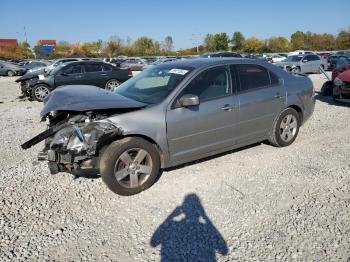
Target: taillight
130, 74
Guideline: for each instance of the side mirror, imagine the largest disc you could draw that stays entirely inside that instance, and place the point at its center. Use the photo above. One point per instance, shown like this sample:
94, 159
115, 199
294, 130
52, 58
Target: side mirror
189, 100
64, 74
305, 60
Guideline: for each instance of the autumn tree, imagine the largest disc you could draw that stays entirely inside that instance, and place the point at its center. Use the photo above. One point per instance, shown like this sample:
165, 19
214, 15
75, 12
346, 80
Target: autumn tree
343, 40
253, 45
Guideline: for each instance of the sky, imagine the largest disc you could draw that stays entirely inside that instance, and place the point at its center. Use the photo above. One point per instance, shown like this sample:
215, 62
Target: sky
79, 21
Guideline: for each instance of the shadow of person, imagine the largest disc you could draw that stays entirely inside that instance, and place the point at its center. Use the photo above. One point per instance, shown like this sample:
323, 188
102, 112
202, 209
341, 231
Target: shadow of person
188, 234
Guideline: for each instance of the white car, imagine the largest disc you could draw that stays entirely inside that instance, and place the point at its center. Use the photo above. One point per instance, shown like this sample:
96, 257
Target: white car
277, 58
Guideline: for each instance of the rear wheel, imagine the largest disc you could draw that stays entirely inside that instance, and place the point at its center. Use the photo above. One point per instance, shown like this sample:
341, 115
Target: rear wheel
286, 128
130, 165
112, 84
40, 92
10, 73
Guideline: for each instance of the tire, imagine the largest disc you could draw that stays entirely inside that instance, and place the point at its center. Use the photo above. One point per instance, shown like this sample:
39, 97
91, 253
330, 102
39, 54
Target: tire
327, 88
112, 84
285, 129
40, 92
120, 160
10, 73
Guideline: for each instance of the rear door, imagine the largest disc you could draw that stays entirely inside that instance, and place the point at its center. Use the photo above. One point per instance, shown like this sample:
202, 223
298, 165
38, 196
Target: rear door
70, 75
209, 126
261, 98
94, 75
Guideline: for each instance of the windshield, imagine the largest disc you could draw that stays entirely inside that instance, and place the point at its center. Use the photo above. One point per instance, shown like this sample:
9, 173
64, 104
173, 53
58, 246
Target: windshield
54, 70
154, 84
294, 58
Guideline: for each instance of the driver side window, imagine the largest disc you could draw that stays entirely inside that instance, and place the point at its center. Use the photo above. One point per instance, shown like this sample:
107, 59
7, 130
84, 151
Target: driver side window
210, 84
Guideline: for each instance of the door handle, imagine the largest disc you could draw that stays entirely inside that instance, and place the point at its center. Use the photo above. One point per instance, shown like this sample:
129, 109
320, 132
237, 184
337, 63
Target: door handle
279, 96
103, 74
227, 107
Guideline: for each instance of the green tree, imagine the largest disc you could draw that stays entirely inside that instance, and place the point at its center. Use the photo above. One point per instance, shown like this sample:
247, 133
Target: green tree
343, 40
209, 43
297, 40
278, 44
237, 41
144, 46
221, 41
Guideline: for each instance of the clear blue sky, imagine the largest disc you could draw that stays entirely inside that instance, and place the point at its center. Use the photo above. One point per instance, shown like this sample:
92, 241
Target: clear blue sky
87, 20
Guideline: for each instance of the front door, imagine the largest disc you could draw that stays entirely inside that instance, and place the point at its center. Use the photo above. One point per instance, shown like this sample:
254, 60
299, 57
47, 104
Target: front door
261, 98
196, 130
70, 75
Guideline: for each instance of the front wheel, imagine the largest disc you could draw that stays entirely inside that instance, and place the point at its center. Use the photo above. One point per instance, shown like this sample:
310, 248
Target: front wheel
10, 73
286, 128
112, 84
130, 165
40, 92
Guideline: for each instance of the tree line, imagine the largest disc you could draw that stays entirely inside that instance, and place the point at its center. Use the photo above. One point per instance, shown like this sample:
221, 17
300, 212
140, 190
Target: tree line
146, 46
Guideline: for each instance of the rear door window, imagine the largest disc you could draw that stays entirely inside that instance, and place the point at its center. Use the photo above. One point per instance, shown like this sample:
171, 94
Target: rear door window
91, 68
252, 77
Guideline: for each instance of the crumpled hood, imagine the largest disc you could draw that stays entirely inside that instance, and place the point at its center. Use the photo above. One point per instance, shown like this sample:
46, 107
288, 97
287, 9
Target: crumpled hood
27, 76
83, 98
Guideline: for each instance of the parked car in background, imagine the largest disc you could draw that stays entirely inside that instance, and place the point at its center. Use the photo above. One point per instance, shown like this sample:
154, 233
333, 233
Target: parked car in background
308, 63
300, 52
36, 64
277, 58
220, 54
342, 64
134, 64
341, 85
171, 114
333, 60
95, 73
11, 69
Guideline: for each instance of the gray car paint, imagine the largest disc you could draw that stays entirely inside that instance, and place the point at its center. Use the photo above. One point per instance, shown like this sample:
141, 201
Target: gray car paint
305, 66
166, 126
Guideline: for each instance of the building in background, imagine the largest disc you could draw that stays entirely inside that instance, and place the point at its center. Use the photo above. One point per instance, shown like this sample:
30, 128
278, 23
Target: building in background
8, 44
48, 46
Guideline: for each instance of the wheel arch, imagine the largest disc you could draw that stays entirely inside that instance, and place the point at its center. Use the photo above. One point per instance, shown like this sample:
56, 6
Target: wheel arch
162, 156
299, 110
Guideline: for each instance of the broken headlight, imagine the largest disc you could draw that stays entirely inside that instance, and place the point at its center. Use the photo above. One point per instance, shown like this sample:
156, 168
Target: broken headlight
81, 138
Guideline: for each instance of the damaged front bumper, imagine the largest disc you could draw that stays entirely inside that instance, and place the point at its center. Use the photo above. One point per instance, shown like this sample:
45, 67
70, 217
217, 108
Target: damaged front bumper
74, 145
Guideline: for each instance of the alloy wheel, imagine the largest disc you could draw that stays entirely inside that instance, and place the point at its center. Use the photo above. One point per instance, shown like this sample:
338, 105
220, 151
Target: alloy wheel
288, 127
112, 85
41, 92
133, 168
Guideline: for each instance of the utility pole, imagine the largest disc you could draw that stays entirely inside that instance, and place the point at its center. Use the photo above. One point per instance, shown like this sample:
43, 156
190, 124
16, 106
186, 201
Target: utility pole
25, 34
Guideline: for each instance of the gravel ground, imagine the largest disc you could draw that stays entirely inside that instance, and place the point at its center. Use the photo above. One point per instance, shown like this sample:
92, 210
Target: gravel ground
258, 203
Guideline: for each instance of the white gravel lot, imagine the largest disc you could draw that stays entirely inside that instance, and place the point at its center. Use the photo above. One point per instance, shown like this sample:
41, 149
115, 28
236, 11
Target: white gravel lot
259, 203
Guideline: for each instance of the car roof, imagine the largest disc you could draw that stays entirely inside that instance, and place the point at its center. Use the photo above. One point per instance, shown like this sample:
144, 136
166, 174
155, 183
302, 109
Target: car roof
200, 62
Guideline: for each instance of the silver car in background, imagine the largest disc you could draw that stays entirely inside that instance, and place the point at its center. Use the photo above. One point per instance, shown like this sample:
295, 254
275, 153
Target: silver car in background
171, 114
307, 63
